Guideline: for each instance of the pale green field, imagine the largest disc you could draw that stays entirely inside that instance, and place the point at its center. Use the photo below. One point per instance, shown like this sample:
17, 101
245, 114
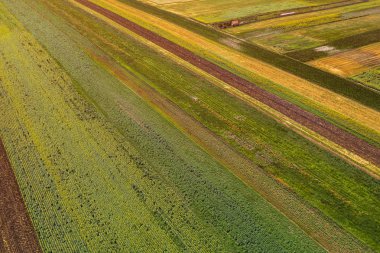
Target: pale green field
210, 11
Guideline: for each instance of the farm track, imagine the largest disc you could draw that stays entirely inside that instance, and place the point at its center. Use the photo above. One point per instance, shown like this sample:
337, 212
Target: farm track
16, 230
307, 119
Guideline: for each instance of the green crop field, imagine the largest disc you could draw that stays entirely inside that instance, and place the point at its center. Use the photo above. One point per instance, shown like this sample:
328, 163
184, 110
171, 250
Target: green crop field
103, 165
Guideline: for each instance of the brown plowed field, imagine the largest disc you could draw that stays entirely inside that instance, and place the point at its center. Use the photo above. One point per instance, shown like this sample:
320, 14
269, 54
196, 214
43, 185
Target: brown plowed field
16, 231
320, 126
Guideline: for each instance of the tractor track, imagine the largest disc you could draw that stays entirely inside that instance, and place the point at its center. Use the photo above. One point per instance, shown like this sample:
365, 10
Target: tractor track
307, 119
16, 230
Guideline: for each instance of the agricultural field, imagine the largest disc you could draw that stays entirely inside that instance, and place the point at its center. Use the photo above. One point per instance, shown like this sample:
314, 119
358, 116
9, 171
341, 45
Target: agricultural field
123, 131
370, 77
316, 28
320, 34
352, 62
210, 11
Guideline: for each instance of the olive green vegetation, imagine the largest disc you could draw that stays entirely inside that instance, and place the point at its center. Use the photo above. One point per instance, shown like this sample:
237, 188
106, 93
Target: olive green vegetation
101, 171
341, 191
327, 80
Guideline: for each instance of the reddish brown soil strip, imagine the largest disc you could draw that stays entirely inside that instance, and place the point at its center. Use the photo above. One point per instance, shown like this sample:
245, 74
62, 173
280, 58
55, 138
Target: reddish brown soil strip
16, 231
307, 119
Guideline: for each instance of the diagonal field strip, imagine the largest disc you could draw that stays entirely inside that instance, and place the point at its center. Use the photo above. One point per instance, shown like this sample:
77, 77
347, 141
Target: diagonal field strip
314, 123
16, 230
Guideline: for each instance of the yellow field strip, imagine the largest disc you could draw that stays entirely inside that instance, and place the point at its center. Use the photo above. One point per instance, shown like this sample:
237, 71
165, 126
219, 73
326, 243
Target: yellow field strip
351, 62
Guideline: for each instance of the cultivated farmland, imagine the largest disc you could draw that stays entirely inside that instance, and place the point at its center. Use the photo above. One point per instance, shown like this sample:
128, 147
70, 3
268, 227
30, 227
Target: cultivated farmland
209, 11
302, 30
351, 62
321, 33
121, 136
370, 77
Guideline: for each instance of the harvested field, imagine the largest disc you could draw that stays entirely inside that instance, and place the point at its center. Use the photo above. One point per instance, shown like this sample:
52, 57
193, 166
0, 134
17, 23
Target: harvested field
16, 230
314, 123
351, 62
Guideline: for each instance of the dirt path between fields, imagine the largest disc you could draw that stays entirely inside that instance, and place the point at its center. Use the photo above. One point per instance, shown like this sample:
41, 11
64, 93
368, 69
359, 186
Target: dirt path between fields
314, 123
16, 230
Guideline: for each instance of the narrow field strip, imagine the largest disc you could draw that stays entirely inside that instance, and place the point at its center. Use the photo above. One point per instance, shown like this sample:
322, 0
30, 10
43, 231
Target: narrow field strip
16, 231
322, 127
